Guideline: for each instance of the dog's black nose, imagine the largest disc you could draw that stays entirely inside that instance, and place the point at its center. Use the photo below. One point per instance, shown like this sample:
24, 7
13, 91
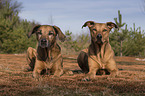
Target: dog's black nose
43, 43
99, 36
43, 40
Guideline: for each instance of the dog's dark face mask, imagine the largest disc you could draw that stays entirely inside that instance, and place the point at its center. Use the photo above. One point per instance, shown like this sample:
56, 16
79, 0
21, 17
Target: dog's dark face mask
46, 35
99, 31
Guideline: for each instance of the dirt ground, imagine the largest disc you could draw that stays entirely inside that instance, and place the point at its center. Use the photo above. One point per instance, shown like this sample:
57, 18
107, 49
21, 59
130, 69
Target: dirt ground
15, 82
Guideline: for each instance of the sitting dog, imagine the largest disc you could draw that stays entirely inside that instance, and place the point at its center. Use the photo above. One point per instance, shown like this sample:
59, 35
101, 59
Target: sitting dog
48, 52
99, 55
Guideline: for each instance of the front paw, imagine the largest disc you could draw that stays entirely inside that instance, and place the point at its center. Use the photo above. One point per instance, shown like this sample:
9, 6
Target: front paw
89, 77
114, 74
86, 79
68, 72
35, 75
54, 76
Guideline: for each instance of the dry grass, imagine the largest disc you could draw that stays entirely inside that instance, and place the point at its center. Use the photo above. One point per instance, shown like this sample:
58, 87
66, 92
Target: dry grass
15, 82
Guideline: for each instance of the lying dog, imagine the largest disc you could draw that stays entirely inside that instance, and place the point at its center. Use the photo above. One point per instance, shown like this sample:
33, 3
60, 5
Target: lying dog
48, 52
99, 55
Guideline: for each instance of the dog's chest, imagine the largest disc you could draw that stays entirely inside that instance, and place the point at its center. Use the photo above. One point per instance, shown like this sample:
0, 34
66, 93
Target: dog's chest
49, 62
101, 60
52, 58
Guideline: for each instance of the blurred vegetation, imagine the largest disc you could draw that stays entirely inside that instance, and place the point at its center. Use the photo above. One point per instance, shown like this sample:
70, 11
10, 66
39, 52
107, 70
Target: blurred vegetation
13, 35
127, 42
74, 43
13, 30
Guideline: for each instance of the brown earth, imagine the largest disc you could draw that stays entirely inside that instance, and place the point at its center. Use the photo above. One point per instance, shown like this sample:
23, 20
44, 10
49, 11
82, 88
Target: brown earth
15, 82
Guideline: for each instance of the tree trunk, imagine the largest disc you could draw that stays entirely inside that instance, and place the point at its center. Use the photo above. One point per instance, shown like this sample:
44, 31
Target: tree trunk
121, 49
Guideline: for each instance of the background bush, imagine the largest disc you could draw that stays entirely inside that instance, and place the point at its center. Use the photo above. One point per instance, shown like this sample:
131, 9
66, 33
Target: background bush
13, 30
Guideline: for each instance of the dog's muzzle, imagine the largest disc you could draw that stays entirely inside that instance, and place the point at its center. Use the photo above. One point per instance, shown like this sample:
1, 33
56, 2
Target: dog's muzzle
99, 39
43, 43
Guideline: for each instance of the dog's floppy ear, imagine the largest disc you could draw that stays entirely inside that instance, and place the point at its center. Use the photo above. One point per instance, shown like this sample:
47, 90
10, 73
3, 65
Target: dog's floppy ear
110, 25
89, 24
61, 36
34, 29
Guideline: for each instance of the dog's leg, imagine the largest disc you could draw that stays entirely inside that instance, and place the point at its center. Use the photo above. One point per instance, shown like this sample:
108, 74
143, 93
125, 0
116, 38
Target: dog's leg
39, 66
57, 68
112, 67
30, 57
110, 61
93, 68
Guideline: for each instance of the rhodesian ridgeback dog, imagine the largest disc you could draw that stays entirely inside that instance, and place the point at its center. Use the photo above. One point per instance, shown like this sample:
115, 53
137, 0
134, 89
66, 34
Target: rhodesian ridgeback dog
48, 52
99, 55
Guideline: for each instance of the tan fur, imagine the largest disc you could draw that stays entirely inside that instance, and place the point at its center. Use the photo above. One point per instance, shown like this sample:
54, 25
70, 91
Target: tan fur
98, 56
48, 53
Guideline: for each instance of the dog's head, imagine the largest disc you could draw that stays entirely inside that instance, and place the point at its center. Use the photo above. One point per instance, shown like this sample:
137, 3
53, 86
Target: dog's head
99, 31
46, 35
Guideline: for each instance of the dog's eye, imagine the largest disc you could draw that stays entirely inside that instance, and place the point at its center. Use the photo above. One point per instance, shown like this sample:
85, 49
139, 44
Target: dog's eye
39, 32
94, 30
50, 33
104, 30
